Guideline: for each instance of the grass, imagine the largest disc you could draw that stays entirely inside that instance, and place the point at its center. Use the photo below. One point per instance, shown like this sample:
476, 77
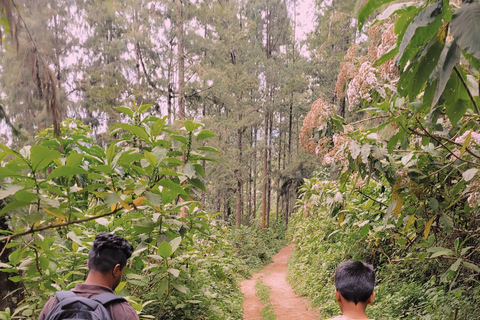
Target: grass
263, 293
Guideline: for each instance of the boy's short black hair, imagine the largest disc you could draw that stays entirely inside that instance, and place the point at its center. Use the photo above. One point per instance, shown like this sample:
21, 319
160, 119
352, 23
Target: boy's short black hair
355, 281
107, 251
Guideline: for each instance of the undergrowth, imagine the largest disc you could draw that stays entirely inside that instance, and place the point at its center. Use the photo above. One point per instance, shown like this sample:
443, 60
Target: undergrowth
405, 289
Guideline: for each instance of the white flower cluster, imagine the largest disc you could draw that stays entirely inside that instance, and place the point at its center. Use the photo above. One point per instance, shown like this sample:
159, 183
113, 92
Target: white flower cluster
360, 87
475, 137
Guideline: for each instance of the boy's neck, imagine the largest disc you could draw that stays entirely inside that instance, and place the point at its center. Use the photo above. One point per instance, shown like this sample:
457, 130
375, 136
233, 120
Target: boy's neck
352, 311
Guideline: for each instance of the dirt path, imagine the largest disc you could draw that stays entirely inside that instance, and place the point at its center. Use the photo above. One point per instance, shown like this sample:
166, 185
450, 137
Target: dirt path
286, 303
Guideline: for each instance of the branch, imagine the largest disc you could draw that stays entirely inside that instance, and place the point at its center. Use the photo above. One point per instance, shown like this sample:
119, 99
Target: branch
369, 119
466, 88
444, 146
56, 226
379, 202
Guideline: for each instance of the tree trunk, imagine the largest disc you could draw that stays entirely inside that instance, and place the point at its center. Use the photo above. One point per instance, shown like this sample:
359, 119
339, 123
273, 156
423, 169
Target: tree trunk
238, 174
180, 61
265, 172
255, 172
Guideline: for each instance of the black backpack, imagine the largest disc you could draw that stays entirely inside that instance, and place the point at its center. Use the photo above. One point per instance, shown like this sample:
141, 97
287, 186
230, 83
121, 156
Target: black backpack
71, 306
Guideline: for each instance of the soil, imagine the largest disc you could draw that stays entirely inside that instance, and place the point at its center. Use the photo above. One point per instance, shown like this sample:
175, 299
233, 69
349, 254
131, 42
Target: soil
286, 303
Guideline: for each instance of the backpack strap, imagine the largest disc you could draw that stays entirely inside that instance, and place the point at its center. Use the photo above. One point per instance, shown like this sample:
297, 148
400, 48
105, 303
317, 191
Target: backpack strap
107, 297
62, 295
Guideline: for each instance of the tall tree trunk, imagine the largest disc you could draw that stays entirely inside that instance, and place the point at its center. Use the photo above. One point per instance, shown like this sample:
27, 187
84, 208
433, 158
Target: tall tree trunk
180, 62
255, 172
278, 177
269, 168
238, 174
265, 171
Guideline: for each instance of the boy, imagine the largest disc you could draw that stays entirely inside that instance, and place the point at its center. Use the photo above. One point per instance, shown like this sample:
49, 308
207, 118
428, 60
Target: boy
354, 282
107, 261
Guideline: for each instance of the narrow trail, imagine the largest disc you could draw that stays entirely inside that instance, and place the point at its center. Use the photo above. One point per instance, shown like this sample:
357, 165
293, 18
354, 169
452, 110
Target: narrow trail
286, 303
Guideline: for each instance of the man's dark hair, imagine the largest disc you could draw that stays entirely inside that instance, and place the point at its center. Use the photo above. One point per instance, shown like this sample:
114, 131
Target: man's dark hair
355, 281
107, 251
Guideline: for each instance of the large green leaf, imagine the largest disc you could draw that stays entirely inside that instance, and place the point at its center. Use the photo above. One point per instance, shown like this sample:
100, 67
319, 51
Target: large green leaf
448, 59
426, 65
465, 28
66, 171
127, 111
9, 190
422, 29
165, 249
136, 130
368, 9
4, 172
41, 157
457, 100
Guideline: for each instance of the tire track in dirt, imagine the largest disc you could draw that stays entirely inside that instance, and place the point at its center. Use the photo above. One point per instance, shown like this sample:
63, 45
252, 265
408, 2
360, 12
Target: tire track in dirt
286, 303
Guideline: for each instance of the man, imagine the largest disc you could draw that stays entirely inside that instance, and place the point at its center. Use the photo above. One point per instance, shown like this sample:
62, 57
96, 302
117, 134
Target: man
107, 261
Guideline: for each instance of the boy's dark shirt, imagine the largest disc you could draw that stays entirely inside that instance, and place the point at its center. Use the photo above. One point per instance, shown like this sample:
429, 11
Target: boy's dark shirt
118, 310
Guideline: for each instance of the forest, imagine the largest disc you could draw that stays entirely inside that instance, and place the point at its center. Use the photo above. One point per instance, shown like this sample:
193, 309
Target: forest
210, 134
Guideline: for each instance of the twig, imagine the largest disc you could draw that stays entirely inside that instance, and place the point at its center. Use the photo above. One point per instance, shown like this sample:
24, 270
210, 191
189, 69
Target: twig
369, 119
55, 226
5, 246
444, 146
466, 88
379, 202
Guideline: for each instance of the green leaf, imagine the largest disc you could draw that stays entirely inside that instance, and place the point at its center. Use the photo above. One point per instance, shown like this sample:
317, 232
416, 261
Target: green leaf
74, 159
110, 152
446, 222
469, 174
368, 9
112, 198
198, 184
199, 169
455, 265
103, 168
66, 172
9, 190
26, 196
169, 184
154, 199
471, 266
204, 134
144, 107
180, 287
158, 126
189, 170
387, 56
465, 28
151, 158
423, 27
136, 130
190, 125
165, 249
175, 243
210, 149
182, 139
433, 204
4, 172
162, 288
446, 252
174, 272
448, 60
125, 110
160, 153
13, 205
41, 157
426, 65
